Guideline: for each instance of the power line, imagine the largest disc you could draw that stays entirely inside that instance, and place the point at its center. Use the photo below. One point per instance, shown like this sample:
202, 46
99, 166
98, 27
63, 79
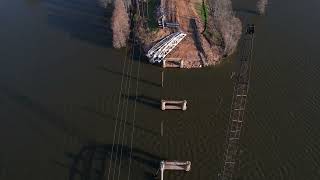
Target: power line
134, 114
117, 114
126, 111
118, 111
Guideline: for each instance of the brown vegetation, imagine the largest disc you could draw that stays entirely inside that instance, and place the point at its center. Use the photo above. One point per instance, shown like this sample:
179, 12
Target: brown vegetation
262, 5
105, 3
207, 40
195, 50
223, 23
120, 24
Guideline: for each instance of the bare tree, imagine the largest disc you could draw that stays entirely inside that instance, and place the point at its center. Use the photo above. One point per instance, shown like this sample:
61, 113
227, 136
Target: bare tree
226, 23
120, 24
231, 32
221, 9
105, 3
262, 5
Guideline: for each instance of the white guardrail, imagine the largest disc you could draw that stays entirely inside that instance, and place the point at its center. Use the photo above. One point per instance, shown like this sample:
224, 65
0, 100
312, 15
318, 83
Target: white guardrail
159, 51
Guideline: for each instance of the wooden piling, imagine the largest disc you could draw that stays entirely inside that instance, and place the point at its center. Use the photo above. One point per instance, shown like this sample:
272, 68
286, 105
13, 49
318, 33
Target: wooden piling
162, 78
181, 63
164, 63
184, 106
162, 128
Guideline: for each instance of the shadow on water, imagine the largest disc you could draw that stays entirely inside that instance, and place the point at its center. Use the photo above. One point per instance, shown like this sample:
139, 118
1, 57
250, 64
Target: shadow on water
109, 116
35, 108
246, 11
138, 53
127, 76
145, 100
92, 161
82, 19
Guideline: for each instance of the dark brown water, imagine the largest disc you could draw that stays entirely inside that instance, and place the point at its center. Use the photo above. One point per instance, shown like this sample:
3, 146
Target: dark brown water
60, 81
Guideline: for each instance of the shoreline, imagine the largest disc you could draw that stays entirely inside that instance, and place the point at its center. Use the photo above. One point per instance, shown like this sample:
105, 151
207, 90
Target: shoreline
195, 50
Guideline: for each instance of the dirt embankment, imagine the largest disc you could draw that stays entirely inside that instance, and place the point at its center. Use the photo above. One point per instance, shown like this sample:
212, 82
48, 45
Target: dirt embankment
195, 50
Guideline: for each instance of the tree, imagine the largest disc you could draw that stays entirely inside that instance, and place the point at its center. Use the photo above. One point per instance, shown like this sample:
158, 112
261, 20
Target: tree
231, 32
226, 23
105, 3
262, 5
120, 24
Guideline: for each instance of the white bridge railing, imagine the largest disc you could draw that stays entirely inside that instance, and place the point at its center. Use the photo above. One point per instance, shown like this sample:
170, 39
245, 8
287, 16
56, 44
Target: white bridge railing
159, 51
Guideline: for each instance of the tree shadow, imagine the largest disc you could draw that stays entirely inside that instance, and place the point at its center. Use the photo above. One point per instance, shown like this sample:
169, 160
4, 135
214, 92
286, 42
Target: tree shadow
197, 39
35, 108
127, 76
92, 162
82, 19
145, 100
137, 52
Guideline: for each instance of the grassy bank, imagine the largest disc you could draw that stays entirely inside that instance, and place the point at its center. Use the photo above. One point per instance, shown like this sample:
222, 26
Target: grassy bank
212, 35
203, 10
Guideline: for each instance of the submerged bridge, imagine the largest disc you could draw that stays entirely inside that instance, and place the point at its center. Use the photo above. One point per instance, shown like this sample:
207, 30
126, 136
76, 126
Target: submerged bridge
238, 107
160, 50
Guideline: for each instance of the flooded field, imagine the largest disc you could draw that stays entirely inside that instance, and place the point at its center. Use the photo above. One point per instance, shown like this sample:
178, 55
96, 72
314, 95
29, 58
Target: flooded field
59, 90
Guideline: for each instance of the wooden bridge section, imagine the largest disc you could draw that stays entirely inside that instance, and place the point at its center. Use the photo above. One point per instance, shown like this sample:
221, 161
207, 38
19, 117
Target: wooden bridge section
173, 105
172, 63
238, 106
174, 165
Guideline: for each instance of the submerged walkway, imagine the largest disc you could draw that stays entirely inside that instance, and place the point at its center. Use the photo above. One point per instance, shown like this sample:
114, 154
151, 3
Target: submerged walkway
238, 106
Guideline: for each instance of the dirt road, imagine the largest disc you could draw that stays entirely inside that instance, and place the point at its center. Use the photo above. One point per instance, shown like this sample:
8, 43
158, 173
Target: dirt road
194, 47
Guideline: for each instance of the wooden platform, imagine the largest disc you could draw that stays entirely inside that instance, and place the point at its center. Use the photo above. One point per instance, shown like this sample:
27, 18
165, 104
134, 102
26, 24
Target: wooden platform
174, 165
172, 63
173, 105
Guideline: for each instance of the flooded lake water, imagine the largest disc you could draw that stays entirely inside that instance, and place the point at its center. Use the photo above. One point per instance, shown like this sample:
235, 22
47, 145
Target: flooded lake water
59, 90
